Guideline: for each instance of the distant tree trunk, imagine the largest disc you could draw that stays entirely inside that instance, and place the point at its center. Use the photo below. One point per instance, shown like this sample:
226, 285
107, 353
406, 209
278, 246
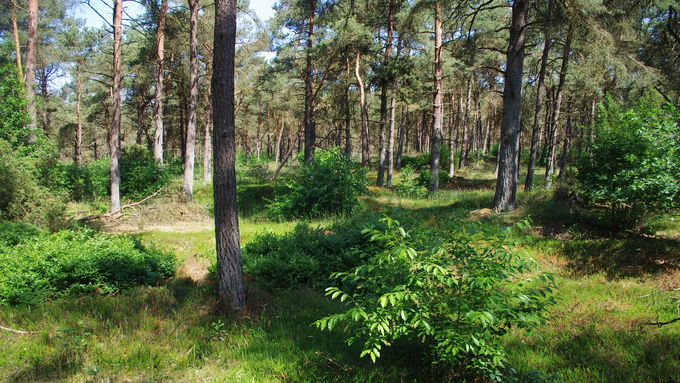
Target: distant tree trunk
384, 85
390, 149
438, 107
79, 125
402, 137
348, 115
29, 76
279, 138
452, 144
158, 97
365, 147
229, 267
535, 132
207, 147
550, 166
466, 125
568, 135
17, 45
190, 146
506, 182
114, 143
310, 128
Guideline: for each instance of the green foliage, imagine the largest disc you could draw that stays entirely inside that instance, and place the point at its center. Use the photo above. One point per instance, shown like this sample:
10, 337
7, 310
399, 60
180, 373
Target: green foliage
140, 174
457, 292
13, 116
328, 185
306, 256
419, 162
409, 184
77, 262
633, 164
424, 178
13, 233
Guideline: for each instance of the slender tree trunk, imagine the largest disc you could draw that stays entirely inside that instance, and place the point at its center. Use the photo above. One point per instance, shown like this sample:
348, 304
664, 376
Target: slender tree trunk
310, 128
348, 115
466, 125
279, 138
114, 143
390, 152
438, 107
229, 267
402, 137
365, 147
568, 133
550, 166
190, 146
158, 96
506, 182
29, 75
17, 45
79, 125
384, 85
207, 147
452, 143
535, 132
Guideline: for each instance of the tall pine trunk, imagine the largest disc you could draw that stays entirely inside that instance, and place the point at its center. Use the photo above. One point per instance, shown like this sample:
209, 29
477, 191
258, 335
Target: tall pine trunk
114, 140
384, 85
158, 96
229, 266
438, 107
29, 75
508, 166
190, 145
452, 143
390, 149
310, 128
466, 126
17, 45
365, 147
79, 124
536, 130
207, 147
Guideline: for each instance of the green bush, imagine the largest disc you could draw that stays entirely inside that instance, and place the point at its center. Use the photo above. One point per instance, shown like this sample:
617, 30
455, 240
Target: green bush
13, 233
456, 291
328, 185
307, 256
13, 116
424, 178
140, 174
632, 167
409, 184
72, 263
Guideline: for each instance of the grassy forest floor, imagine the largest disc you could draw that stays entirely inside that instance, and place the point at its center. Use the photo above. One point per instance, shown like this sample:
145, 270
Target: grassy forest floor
609, 286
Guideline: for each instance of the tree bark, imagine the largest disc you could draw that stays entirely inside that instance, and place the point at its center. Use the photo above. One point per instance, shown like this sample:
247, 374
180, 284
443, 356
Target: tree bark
229, 267
79, 125
29, 75
550, 166
402, 137
365, 147
452, 143
348, 115
535, 132
466, 126
114, 140
390, 152
17, 45
506, 182
438, 107
158, 97
190, 146
310, 128
384, 85
207, 147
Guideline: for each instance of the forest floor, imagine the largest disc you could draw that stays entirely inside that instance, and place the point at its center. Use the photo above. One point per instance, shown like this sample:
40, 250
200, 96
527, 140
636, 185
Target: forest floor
609, 287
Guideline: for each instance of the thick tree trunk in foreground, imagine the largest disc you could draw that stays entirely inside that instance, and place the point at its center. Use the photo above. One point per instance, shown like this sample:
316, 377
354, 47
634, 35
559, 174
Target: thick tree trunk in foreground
229, 267
438, 107
17, 45
29, 75
384, 85
535, 132
365, 147
190, 146
310, 128
114, 139
158, 97
508, 167
550, 166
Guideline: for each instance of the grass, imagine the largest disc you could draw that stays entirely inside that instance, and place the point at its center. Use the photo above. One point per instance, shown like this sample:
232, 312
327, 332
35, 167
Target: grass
608, 288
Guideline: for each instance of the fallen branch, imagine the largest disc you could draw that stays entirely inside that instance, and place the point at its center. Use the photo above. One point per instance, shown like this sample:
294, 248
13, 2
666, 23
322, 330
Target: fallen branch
119, 213
14, 331
662, 323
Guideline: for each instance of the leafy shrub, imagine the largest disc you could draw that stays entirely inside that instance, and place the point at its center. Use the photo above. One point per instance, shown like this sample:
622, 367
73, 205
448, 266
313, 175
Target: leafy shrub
79, 262
13, 115
13, 233
307, 256
424, 178
140, 174
457, 291
329, 184
409, 184
633, 164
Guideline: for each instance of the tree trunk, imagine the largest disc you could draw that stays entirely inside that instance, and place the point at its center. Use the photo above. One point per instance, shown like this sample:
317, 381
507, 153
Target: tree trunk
348, 115
229, 267
79, 125
506, 182
365, 148
190, 146
29, 75
402, 137
158, 97
17, 45
452, 143
310, 128
279, 138
535, 132
390, 149
550, 166
207, 147
564, 156
384, 85
438, 107
114, 142
466, 124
